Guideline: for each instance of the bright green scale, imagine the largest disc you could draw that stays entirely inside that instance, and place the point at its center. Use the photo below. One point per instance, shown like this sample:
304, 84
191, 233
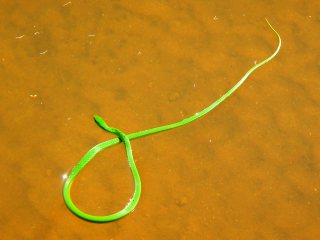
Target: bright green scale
122, 137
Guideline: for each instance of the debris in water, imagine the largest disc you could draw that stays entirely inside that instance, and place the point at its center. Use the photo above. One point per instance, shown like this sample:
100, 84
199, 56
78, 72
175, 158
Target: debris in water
44, 52
66, 4
19, 37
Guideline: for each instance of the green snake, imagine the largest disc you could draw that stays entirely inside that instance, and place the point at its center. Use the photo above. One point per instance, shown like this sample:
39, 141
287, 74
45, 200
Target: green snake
122, 137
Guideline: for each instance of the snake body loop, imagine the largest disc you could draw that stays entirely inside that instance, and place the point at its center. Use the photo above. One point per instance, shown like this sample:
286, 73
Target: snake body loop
122, 137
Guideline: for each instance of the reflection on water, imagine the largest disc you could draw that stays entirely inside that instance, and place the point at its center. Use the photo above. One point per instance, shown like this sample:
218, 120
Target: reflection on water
64, 176
248, 170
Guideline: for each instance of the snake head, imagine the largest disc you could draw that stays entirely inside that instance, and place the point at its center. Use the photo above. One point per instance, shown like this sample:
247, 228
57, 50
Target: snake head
101, 123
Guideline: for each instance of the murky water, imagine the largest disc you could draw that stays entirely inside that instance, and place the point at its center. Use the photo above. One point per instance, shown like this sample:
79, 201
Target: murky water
248, 170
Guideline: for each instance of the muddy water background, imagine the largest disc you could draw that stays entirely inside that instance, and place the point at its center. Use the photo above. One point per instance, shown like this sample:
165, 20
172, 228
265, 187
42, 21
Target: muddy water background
248, 170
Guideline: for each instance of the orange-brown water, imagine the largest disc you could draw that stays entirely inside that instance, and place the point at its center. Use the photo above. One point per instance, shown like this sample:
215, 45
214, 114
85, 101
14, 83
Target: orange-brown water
248, 170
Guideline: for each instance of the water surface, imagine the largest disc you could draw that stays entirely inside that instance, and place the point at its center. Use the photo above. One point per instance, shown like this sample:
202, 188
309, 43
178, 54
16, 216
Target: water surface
248, 170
